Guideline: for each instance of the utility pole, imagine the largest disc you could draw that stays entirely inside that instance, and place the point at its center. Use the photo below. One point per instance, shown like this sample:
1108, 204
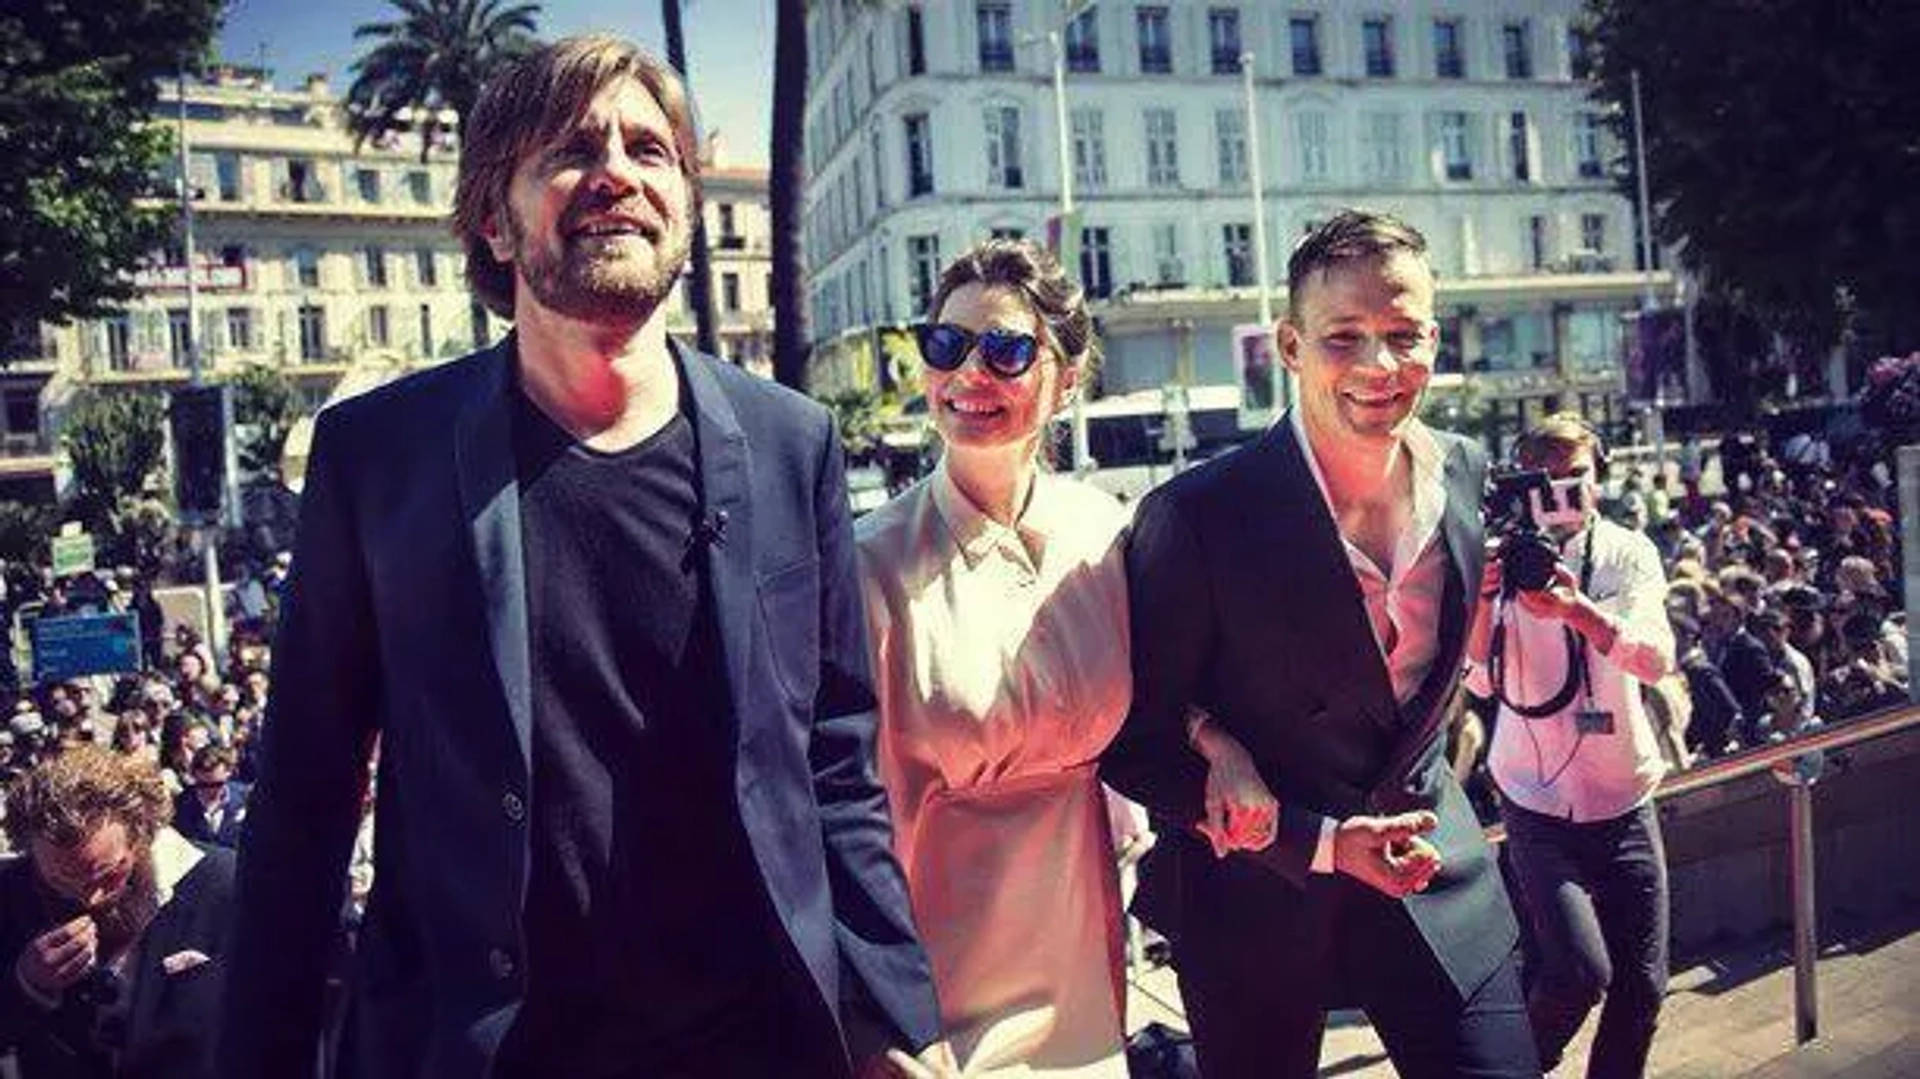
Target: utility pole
1083, 461
210, 531
1282, 378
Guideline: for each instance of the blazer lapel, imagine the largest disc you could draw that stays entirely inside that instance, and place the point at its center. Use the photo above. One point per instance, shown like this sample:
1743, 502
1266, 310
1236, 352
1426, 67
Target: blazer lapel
726, 481
1295, 527
490, 500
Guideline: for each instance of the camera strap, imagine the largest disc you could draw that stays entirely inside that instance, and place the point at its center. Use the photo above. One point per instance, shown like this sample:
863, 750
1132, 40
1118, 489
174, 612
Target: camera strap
1579, 674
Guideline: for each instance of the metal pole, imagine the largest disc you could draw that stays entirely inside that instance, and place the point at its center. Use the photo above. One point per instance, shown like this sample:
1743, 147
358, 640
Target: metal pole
210, 535
1646, 209
1799, 775
1082, 449
1282, 378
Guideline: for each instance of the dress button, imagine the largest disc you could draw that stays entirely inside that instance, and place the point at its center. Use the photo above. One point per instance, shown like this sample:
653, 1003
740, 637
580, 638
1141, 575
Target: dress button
501, 963
513, 807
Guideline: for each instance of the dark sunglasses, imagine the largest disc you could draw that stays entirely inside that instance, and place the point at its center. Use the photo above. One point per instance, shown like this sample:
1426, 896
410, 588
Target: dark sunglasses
1006, 353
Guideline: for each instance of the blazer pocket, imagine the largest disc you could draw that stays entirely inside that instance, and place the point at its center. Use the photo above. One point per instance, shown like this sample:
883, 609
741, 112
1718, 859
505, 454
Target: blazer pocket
790, 606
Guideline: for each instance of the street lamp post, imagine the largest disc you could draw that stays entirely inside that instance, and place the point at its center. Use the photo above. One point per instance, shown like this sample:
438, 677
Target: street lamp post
210, 535
1282, 388
1082, 450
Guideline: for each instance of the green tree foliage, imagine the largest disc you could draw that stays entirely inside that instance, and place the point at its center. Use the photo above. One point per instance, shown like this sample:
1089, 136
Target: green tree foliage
77, 89
1783, 147
856, 415
24, 532
117, 444
437, 55
265, 407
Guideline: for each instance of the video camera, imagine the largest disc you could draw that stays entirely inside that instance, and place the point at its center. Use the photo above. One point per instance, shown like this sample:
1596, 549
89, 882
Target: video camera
1520, 505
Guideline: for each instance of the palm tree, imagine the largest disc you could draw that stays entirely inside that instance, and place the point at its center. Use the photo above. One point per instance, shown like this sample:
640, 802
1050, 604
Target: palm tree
699, 282
786, 191
436, 57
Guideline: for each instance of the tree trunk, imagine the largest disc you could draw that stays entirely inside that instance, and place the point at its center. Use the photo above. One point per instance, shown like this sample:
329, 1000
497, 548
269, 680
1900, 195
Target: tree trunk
786, 188
698, 281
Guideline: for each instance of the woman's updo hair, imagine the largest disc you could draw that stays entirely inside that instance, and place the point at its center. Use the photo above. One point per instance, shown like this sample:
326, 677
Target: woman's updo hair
1026, 267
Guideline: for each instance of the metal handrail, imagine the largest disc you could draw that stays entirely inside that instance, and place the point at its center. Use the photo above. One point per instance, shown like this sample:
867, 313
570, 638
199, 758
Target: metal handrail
1764, 759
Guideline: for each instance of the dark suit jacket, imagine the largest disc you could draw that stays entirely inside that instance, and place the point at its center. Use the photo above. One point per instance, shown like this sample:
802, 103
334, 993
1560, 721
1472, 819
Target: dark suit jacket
1244, 603
172, 1019
190, 816
407, 619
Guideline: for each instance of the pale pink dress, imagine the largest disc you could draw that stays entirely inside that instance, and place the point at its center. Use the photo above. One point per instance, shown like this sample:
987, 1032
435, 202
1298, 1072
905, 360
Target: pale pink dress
1000, 659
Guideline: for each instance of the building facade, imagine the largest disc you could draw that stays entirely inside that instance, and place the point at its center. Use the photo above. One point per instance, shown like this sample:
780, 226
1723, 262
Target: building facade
932, 124
317, 258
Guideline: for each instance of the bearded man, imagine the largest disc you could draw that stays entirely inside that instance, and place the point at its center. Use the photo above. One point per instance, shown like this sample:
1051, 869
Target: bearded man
595, 596
115, 924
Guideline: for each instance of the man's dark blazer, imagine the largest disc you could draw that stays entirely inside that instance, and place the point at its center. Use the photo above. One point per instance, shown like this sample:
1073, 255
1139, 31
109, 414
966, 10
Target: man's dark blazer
1244, 603
172, 1018
407, 620
190, 816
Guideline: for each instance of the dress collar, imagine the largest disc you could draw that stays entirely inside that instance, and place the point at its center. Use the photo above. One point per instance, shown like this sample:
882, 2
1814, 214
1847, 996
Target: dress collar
978, 535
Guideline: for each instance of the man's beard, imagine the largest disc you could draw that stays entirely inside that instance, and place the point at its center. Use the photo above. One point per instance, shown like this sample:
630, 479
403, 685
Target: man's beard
599, 290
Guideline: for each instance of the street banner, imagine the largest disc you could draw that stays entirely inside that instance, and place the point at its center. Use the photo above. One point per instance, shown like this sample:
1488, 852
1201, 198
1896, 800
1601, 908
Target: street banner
1657, 355
72, 645
1063, 239
1256, 358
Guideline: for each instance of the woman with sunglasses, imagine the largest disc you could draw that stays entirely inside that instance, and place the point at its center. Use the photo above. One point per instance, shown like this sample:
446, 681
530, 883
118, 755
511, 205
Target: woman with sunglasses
996, 599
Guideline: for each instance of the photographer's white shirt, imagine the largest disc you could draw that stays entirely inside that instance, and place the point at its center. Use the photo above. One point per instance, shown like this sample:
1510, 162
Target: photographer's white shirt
1548, 765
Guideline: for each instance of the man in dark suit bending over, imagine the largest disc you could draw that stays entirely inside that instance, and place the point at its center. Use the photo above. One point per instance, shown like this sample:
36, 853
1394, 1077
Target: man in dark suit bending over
1310, 595
595, 596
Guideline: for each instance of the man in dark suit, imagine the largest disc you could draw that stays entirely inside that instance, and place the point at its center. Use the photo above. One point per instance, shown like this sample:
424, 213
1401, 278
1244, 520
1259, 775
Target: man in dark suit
213, 804
595, 597
115, 926
1310, 595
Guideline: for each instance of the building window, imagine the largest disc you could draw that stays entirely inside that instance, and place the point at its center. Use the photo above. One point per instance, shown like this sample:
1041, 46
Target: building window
1163, 149
1516, 45
1517, 147
1237, 241
1230, 132
1303, 35
367, 182
1537, 242
1377, 38
923, 258
313, 332
420, 187
1168, 269
1454, 153
477, 323
376, 267
1096, 263
303, 182
916, 42
240, 329
1083, 42
379, 330
919, 156
1593, 233
306, 267
1310, 131
730, 292
1223, 33
426, 329
1449, 62
1381, 155
1586, 146
22, 412
226, 169
426, 268
1089, 149
995, 23
1003, 147
119, 333
1156, 42
1579, 62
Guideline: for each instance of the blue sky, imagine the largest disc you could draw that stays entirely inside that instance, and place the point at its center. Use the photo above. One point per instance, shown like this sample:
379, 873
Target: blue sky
729, 49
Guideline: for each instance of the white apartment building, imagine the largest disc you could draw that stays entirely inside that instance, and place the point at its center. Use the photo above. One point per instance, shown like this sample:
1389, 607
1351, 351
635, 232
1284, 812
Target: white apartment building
319, 259
931, 124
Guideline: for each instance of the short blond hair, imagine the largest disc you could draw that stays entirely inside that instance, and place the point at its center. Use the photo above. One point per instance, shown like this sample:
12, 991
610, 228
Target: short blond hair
529, 105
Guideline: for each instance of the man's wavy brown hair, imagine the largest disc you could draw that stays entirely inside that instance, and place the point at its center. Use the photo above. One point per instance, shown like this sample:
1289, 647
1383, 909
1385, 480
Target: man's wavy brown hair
67, 798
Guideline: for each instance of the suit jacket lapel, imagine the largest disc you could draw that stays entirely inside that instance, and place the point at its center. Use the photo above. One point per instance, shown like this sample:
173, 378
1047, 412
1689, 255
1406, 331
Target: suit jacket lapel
1296, 525
726, 481
490, 501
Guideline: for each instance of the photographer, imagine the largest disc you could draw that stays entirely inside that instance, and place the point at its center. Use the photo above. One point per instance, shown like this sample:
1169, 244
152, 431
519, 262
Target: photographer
1572, 621
113, 926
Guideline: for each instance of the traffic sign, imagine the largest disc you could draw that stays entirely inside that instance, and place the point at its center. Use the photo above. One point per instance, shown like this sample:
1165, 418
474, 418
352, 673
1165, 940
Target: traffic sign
72, 645
72, 554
